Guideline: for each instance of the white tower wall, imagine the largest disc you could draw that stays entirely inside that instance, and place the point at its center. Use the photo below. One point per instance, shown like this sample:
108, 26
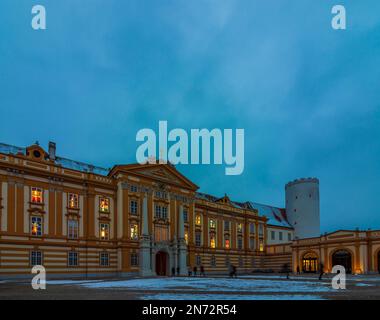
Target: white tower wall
302, 207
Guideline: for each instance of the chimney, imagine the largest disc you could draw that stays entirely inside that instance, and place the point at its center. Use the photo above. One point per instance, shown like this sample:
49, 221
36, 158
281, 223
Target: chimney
52, 150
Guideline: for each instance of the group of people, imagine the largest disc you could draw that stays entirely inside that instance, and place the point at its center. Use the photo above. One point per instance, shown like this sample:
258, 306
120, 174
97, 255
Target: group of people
194, 271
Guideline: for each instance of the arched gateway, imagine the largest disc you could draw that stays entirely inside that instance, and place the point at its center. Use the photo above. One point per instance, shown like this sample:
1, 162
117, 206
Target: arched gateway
342, 258
310, 262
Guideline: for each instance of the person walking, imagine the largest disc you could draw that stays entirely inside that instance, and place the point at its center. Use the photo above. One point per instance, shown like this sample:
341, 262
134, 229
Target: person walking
234, 271
321, 272
202, 271
230, 270
177, 271
298, 270
189, 271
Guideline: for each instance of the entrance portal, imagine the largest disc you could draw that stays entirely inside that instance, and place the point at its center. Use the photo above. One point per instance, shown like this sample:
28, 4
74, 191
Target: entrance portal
343, 258
310, 263
161, 263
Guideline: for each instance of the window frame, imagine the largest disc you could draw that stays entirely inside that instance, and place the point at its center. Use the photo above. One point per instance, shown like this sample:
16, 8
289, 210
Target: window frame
41, 196
108, 201
40, 228
69, 228
76, 200
107, 231
36, 252
70, 259
104, 257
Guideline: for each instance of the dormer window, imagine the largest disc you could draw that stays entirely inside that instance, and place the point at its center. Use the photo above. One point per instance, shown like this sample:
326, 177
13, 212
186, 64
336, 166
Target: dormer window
36, 195
73, 201
104, 204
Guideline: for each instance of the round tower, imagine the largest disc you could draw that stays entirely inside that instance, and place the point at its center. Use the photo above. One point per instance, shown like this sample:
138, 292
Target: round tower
302, 207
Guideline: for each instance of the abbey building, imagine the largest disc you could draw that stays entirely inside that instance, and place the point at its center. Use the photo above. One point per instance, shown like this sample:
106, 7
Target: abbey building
77, 219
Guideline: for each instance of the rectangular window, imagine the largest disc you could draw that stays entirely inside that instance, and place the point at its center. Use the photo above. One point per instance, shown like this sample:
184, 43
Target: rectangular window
36, 258
213, 261
252, 228
133, 188
198, 220
164, 212
212, 240
261, 229
272, 235
240, 243
289, 237
261, 245
104, 204
134, 232
104, 259
198, 239
252, 243
134, 259
280, 236
104, 231
36, 195
239, 227
226, 226
185, 216
227, 242
36, 226
73, 201
212, 224
73, 258
161, 212
198, 260
133, 205
72, 229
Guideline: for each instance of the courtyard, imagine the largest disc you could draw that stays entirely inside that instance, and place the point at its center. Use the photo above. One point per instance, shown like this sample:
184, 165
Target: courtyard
244, 287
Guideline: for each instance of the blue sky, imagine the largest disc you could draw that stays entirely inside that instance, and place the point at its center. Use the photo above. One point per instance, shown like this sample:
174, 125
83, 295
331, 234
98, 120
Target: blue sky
307, 96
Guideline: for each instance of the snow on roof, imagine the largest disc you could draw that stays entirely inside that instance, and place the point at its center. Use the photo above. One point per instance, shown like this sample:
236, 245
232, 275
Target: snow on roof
66, 163
80, 166
8, 149
276, 216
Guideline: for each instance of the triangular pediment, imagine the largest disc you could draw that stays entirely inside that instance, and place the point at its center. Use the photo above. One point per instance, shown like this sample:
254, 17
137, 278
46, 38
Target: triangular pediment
164, 173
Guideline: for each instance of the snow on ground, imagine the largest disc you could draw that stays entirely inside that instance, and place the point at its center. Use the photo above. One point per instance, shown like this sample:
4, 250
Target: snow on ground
181, 296
69, 282
215, 284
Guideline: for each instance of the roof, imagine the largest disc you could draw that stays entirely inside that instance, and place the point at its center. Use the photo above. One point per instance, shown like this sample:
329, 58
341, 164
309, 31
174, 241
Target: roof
66, 163
276, 216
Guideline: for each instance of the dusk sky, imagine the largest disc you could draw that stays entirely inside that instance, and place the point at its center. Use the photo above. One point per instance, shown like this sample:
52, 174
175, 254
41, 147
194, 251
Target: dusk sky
308, 96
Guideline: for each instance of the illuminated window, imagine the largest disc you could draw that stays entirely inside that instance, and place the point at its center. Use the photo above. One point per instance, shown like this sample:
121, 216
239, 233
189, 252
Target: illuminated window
133, 205
212, 224
227, 242
104, 259
36, 195
198, 220
261, 245
35, 258
134, 232
36, 226
73, 201
239, 227
212, 240
72, 229
72, 258
104, 231
104, 205
186, 237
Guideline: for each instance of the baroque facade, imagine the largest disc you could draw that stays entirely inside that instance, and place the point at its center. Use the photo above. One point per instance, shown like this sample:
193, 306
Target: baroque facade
77, 219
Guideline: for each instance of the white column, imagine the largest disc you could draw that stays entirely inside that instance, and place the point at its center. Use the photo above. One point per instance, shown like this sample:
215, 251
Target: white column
182, 248
145, 267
